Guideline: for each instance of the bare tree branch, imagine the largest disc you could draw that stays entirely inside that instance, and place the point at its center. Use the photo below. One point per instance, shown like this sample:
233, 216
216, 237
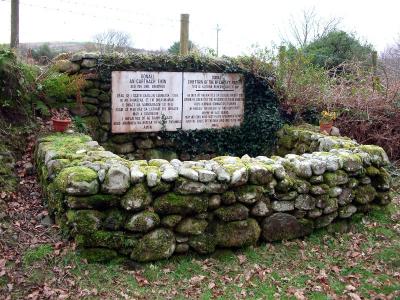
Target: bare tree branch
309, 27
112, 41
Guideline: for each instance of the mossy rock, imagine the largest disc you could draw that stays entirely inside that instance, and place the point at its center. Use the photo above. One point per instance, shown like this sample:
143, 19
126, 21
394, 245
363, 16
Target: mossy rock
237, 233
171, 221
84, 221
235, 212
98, 201
77, 180
203, 244
161, 187
114, 219
161, 153
156, 245
106, 239
249, 194
365, 194
54, 199
143, 221
97, 255
191, 226
173, 203
228, 197
282, 226
136, 198
383, 198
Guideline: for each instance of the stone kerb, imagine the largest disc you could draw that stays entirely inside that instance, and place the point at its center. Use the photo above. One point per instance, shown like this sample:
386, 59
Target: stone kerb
150, 210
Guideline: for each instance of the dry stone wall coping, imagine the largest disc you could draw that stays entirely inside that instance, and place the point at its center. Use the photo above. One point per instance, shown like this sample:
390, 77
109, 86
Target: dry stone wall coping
149, 210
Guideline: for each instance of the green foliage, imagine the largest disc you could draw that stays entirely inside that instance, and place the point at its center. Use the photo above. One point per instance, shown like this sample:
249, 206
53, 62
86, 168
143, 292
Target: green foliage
335, 48
79, 124
15, 81
42, 108
58, 86
43, 51
37, 254
175, 47
262, 119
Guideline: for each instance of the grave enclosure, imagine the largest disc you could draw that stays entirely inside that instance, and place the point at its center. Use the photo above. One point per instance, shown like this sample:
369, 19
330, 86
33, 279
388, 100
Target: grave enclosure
151, 209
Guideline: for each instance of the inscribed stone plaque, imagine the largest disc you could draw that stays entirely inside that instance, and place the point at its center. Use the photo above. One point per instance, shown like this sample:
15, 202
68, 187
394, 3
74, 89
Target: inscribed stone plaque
144, 101
212, 100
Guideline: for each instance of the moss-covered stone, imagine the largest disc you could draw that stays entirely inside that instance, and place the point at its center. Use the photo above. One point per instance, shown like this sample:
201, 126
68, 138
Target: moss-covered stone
161, 154
249, 194
106, 239
282, 226
136, 198
235, 212
171, 221
77, 180
325, 220
98, 201
173, 203
143, 221
156, 245
161, 187
187, 187
191, 226
383, 198
237, 233
96, 255
365, 194
228, 198
114, 219
203, 243
84, 221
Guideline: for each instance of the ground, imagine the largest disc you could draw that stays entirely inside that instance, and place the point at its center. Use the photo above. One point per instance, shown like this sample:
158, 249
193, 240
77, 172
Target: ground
360, 260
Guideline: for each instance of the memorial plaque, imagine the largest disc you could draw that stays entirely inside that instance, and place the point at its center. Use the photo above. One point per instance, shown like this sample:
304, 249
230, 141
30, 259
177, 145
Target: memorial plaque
212, 100
146, 101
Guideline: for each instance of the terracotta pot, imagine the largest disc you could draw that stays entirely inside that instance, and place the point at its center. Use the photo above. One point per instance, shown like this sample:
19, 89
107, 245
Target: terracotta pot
60, 125
325, 127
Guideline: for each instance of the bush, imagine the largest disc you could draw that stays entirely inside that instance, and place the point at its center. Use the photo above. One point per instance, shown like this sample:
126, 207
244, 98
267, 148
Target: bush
17, 84
59, 86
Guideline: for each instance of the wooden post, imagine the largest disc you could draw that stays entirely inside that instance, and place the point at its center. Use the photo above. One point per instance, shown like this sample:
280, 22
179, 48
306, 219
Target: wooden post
14, 43
218, 30
184, 43
375, 79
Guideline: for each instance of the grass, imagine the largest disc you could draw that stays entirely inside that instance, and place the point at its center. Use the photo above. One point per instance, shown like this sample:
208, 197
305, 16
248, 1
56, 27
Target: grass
318, 267
37, 254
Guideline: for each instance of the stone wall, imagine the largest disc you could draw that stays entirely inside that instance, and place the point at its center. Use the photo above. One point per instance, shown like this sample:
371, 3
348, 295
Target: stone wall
96, 107
150, 210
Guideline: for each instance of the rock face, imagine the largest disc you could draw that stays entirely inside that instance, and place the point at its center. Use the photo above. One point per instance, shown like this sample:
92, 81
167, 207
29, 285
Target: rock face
158, 244
281, 226
149, 210
237, 233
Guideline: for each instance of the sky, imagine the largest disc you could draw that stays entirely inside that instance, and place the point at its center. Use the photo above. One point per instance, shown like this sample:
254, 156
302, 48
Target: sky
154, 24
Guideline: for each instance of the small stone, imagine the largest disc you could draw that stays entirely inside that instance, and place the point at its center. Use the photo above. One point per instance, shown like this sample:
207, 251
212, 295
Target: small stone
335, 192
143, 222
305, 202
171, 220
239, 177
282, 206
152, 178
314, 213
169, 174
136, 175
331, 205
325, 220
222, 174
335, 131
189, 187
206, 176
191, 226
214, 201
347, 211
235, 212
260, 209
181, 248
117, 180
189, 173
